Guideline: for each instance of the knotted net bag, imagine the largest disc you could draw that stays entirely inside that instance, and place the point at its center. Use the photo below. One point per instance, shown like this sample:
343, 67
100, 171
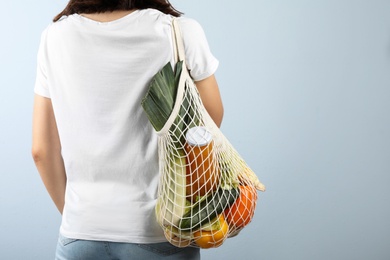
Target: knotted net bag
206, 192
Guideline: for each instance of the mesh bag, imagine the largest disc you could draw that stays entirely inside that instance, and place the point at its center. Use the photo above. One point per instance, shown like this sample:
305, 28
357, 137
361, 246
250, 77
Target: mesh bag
206, 192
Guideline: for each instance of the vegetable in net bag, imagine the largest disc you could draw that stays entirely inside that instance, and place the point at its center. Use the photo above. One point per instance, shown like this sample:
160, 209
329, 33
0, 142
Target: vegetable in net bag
206, 192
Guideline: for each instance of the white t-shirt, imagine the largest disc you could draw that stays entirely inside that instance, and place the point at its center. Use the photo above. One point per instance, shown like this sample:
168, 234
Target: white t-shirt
96, 75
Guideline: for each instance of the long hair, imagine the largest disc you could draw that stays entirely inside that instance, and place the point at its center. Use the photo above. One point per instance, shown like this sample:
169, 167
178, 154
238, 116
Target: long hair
100, 6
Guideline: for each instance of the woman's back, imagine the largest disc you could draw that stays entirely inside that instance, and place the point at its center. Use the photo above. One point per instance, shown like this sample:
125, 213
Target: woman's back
96, 74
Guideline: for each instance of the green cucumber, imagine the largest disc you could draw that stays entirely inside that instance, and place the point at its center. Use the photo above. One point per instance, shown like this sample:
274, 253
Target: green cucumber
207, 209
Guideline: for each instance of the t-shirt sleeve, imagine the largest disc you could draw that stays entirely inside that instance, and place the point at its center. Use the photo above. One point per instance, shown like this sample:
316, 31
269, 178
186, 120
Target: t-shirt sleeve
200, 61
41, 85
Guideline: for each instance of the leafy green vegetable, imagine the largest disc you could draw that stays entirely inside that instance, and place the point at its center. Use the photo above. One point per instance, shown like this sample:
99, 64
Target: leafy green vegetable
160, 97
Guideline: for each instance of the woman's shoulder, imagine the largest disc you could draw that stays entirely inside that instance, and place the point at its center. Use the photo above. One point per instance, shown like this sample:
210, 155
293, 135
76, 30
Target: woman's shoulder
54, 25
187, 21
183, 21
191, 25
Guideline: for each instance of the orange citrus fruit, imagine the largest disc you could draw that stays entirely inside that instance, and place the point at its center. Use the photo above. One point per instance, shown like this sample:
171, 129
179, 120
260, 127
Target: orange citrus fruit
214, 238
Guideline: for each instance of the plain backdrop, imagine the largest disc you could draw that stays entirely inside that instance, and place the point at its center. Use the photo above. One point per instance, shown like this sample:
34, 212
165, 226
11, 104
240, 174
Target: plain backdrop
306, 89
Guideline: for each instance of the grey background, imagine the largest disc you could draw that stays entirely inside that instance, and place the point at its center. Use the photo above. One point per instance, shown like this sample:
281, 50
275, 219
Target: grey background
306, 91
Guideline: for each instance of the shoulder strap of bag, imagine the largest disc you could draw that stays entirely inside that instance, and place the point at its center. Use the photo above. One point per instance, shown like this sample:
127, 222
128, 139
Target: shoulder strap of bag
178, 42
185, 78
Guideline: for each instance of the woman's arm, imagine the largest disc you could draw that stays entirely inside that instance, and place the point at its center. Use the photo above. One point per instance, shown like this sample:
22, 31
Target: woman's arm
46, 150
211, 98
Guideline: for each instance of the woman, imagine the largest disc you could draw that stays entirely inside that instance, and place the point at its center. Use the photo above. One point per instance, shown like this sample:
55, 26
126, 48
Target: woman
93, 145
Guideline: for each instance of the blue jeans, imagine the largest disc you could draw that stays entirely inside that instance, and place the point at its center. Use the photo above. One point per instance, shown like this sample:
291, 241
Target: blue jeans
75, 249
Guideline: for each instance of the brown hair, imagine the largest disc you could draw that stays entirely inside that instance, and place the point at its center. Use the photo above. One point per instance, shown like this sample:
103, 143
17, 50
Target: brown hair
100, 6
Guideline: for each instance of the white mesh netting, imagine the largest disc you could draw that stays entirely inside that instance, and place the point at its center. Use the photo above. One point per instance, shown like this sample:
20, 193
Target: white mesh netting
206, 193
